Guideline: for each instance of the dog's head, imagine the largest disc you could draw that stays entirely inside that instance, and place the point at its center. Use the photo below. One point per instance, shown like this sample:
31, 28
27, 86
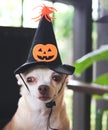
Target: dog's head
43, 83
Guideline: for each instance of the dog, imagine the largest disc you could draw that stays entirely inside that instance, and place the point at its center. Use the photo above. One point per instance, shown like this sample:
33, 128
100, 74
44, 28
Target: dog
34, 111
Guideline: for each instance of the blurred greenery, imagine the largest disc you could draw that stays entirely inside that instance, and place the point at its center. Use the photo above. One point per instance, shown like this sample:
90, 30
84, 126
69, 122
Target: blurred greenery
10, 13
102, 80
63, 24
104, 4
87, 60
63, 28
82, 65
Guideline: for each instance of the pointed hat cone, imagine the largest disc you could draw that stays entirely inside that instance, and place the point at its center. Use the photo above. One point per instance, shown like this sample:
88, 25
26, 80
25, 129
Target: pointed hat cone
44, 51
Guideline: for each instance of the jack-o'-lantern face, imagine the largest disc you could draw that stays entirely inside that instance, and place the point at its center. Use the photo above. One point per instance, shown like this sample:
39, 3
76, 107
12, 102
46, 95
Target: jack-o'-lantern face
45, 53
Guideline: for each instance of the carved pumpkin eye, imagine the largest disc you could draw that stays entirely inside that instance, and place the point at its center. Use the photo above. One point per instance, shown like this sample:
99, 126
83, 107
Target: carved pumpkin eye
40, 50
49, 50
45, 53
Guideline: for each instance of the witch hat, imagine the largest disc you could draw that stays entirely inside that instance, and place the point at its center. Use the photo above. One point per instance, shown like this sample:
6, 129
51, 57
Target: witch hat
44, 50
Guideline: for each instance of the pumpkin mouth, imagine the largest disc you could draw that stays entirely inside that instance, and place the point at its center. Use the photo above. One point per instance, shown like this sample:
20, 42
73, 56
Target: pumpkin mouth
45, 57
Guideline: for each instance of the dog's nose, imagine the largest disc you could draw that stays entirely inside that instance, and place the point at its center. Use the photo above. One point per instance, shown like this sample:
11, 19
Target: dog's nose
43, 89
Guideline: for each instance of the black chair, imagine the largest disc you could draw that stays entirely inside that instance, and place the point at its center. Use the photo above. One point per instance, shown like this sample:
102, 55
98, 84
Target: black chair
14, 47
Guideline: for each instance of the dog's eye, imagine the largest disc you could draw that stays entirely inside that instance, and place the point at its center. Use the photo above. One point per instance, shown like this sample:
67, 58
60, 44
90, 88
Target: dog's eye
31, 79
57, 78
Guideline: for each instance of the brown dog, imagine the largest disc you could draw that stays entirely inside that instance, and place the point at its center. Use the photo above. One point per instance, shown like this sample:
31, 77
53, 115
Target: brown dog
41, 107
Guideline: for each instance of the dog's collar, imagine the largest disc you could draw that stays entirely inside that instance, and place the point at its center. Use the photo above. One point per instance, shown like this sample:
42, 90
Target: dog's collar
50, 104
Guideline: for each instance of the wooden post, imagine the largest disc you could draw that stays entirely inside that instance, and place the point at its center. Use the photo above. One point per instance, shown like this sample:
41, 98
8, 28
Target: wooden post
82, 45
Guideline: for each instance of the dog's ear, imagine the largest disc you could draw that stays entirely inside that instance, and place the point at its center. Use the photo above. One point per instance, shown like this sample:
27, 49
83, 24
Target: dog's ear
68, 78
19, 80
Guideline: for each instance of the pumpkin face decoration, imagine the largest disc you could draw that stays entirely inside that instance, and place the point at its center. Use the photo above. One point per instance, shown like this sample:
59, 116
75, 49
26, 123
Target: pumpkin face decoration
45, 53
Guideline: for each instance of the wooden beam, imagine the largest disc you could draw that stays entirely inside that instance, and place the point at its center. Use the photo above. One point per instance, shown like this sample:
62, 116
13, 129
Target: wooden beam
87, 88
71, 2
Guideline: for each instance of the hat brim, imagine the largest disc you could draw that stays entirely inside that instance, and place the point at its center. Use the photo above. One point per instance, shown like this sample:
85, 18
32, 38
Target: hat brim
63, 69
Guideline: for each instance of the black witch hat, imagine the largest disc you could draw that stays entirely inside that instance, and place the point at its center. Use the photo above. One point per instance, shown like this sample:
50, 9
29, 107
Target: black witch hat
44, 50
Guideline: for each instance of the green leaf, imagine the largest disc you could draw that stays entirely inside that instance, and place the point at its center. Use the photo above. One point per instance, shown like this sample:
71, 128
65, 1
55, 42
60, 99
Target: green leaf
87, 60
102, 80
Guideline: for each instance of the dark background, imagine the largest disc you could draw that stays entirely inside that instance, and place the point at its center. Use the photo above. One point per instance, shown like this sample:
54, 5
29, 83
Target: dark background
14, 47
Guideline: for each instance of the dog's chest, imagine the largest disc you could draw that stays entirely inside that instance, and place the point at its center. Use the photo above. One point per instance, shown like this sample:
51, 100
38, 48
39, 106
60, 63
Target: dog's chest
37, 121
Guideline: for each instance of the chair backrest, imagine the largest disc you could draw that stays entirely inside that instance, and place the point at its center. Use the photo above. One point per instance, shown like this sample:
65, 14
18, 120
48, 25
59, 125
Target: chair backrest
14, 47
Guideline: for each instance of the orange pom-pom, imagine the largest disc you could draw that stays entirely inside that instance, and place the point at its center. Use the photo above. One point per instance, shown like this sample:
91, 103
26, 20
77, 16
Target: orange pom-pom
45, 12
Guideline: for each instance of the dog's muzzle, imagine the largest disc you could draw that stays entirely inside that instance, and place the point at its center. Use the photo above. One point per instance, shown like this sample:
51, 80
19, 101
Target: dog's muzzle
44, 92
43, 89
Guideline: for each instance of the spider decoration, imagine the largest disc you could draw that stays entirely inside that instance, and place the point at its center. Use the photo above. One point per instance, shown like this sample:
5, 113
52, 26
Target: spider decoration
45, 12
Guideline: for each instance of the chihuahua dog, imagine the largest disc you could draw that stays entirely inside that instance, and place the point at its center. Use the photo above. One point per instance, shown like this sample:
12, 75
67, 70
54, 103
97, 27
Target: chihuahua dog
41, 106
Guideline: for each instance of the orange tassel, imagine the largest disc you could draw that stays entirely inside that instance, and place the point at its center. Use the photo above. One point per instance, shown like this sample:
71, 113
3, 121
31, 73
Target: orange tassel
45, 12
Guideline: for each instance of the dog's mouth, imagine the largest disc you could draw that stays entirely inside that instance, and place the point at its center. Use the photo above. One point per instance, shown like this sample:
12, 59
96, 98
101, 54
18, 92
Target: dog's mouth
44, 98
